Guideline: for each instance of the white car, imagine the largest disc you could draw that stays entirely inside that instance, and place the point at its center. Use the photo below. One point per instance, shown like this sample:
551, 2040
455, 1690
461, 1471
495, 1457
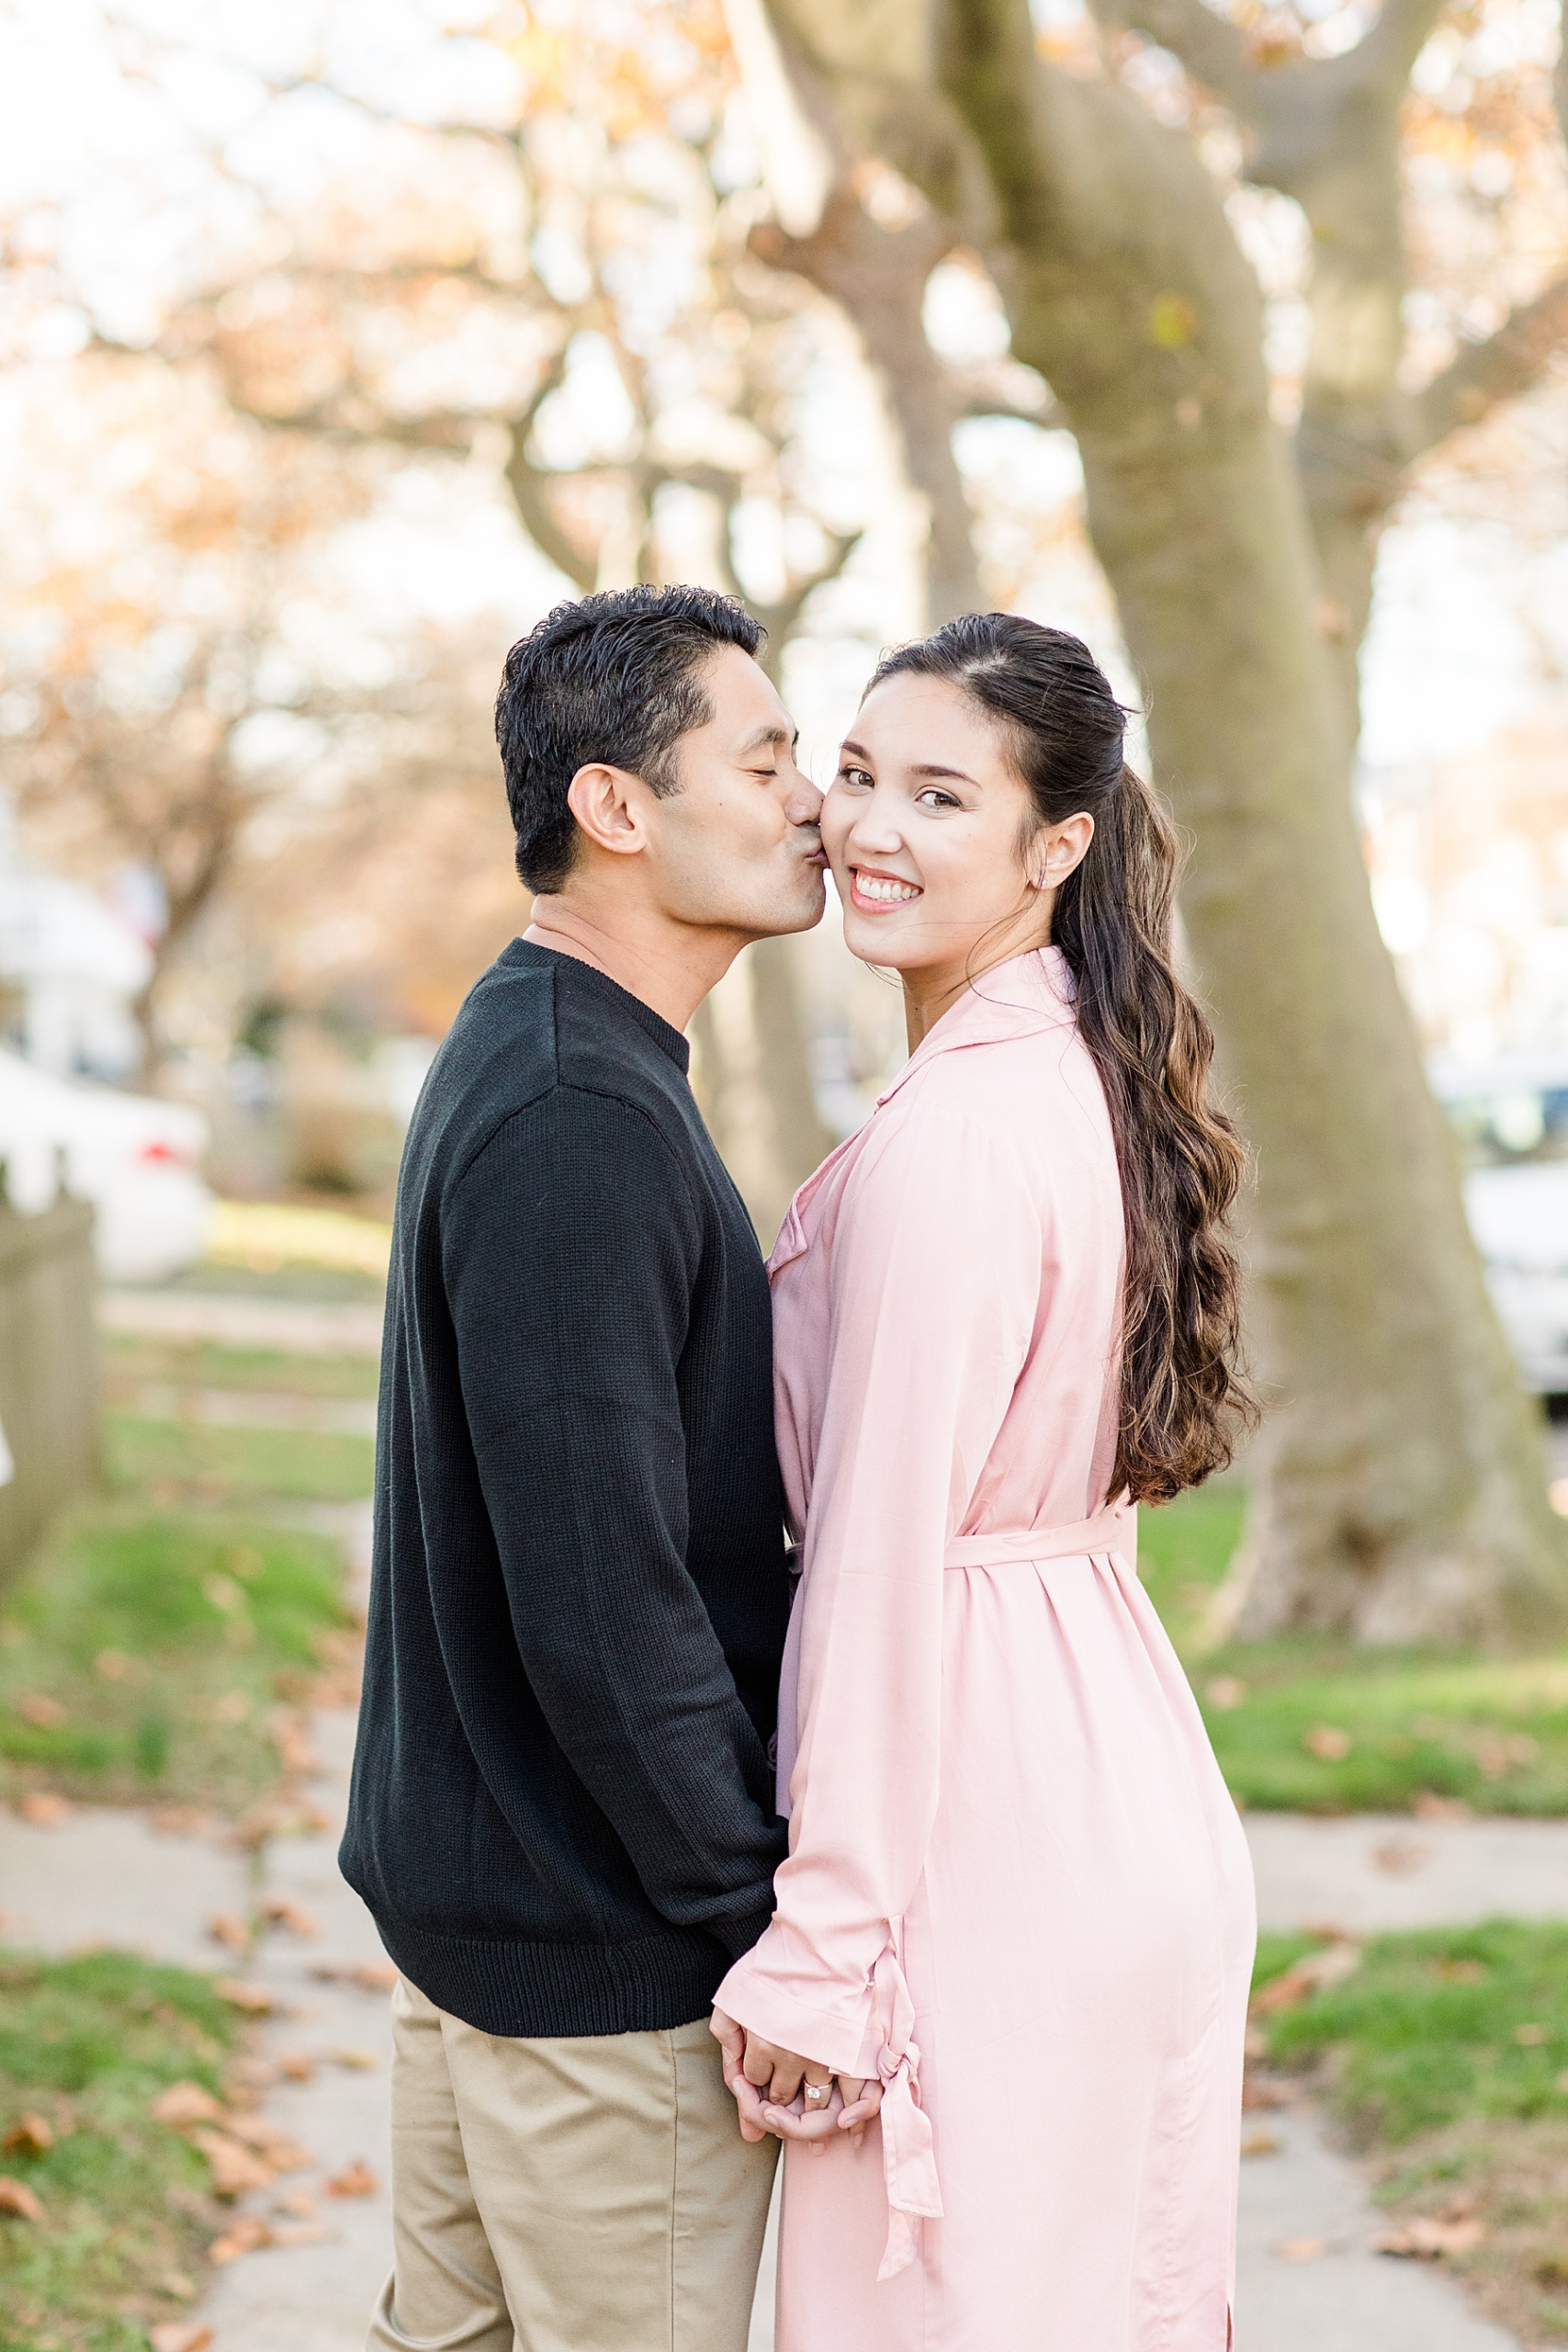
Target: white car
1511, 1117
134, 1157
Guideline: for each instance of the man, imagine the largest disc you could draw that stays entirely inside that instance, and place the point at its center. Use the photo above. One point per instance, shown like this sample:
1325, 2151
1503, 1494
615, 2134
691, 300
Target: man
561, 1815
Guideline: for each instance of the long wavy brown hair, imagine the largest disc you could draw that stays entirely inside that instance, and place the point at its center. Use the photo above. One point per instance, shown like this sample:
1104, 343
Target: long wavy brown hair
1184, 1397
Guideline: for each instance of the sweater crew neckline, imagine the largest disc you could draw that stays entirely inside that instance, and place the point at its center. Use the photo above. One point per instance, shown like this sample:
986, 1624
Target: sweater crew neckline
527, 955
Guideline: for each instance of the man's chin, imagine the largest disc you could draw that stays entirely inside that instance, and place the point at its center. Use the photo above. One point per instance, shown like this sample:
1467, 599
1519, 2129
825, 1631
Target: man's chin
802, 910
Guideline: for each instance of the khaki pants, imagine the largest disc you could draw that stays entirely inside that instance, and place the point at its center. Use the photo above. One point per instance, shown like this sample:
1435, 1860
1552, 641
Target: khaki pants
590, 2194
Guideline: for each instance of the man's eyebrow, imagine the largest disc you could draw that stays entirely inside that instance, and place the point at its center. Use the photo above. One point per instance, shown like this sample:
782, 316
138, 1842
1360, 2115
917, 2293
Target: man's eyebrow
772, 731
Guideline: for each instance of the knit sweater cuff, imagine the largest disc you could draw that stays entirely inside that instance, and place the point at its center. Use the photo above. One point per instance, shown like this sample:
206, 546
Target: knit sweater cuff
738, 1936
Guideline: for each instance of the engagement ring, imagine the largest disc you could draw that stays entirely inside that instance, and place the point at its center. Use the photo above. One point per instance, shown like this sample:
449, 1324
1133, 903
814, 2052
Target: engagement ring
816, 2090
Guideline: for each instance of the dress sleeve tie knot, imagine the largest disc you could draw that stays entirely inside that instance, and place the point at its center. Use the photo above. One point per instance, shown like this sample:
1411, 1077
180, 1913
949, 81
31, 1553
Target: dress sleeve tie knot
908, 2160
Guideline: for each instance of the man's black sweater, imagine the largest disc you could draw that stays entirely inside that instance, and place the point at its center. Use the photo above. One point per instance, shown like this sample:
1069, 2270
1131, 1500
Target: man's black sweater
563, 1815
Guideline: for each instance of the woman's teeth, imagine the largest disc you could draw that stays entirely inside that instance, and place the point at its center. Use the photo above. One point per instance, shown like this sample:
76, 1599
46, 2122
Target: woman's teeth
885, 889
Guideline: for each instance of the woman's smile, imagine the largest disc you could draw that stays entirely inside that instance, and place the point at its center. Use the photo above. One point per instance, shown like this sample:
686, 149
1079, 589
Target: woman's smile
876, 892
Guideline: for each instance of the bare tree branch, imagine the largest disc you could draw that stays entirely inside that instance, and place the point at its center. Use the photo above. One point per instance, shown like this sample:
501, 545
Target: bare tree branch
1509, 362
1214, 52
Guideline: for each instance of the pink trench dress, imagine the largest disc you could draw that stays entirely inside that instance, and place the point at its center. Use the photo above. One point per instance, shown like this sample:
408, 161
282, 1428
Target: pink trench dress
1017, 1888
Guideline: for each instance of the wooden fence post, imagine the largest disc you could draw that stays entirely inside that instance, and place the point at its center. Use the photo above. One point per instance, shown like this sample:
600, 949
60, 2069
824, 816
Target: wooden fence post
49, 1449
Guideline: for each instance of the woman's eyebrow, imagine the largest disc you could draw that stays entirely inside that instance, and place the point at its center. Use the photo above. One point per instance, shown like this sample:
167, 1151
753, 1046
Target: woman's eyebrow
958, 775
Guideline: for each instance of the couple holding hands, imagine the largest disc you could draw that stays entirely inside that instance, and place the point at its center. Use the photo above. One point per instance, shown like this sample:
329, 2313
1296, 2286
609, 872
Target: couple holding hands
904, 1849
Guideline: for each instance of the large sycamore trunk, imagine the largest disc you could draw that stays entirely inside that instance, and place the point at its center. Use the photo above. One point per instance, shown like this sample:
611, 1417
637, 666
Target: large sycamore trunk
1400, 1487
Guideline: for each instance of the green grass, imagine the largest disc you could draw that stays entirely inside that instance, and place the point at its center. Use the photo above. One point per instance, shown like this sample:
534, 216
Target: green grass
130, 1362
1493, 1733
176, 1462
160, 1642
87, 2043
1426, 2031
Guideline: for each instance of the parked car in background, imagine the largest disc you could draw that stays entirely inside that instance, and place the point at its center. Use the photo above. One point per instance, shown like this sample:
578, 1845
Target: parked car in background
1511, 1118
136, 1158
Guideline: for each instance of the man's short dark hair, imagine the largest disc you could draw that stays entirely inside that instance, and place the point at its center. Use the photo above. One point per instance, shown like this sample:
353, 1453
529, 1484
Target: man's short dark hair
616, 677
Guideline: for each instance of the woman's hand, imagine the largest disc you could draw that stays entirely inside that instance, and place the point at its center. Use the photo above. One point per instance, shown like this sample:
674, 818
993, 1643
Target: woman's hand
765, 2079
848, 2108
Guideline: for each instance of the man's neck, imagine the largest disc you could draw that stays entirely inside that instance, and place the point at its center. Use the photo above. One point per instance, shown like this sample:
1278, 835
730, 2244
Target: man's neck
670, 966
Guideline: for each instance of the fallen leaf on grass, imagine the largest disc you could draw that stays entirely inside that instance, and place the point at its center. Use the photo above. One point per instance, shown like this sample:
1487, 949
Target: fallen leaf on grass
31, 2136
43, 1808
18, 2199
1316, 1973
1225, 1692
357, 2062
1530, 2037
298, 2067
225, 1928
246, 2236
354, 2180
179, 2336
44, 1713
1499, 1753
175, 2283
282, 1816
241, 1993
1461, 1972
231, 1707
293, 1917
1265, 2091
1427, 2238
184, 2104
371, 1975
235, 2167
286, 1729
1302, 2249
113, 1666
1427, 1806
269, 2140
1329, 1743
179, 1821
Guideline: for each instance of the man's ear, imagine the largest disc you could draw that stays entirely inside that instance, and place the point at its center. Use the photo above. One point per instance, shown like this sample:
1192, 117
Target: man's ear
608, 806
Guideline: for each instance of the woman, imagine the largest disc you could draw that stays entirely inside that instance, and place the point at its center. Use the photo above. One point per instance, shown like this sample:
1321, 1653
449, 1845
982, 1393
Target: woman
1017, 1915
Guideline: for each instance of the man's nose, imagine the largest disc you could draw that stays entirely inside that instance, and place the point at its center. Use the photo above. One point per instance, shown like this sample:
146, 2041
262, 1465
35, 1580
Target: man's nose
803, 806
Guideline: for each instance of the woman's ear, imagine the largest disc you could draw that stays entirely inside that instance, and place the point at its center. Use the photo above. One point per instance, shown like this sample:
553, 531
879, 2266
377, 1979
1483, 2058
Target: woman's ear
606, 803
1057, 849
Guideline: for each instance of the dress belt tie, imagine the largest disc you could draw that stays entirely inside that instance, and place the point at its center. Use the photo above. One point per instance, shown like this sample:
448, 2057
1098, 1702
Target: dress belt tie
1114, 1529
908, 2161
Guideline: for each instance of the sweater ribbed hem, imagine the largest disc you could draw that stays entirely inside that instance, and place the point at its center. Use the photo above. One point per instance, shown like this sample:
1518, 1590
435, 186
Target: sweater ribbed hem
540, 1992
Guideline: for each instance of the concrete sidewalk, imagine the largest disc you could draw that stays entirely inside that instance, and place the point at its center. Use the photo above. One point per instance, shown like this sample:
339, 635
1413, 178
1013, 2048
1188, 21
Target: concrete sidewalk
294, 1326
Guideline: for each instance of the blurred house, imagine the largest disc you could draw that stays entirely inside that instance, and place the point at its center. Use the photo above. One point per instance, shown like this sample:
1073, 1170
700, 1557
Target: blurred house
71, 971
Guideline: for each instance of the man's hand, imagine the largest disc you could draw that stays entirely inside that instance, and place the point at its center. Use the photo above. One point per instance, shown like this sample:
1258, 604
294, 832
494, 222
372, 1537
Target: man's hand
731, 2039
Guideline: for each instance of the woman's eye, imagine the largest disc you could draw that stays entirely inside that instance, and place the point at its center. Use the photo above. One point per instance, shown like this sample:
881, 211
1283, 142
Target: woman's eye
933, 798
854, 776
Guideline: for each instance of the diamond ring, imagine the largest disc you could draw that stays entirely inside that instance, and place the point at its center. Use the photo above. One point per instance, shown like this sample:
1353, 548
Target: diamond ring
816, 2090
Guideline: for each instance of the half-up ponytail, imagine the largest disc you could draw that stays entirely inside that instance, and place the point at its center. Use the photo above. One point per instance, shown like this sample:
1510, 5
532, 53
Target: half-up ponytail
1183, 1401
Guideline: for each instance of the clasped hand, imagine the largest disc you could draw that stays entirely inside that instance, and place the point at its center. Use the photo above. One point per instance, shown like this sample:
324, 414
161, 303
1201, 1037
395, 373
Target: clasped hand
770, 2086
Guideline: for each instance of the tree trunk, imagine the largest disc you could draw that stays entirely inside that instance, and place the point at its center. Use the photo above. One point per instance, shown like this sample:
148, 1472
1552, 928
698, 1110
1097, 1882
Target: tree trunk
1400, 1489
878, 276
753, 1082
